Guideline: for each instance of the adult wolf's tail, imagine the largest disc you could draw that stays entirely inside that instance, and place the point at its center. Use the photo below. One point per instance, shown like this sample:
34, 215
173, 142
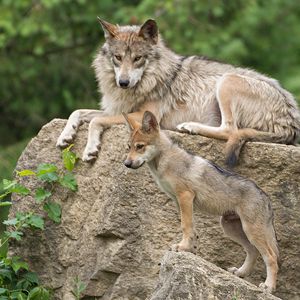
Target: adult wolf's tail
237, 140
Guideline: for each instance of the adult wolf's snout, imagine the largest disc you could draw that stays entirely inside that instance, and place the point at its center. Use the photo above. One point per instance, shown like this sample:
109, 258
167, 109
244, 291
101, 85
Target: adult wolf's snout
124, 83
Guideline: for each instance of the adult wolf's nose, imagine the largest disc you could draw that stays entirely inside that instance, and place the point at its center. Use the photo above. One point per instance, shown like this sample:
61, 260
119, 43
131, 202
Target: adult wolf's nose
128, 163
124, 83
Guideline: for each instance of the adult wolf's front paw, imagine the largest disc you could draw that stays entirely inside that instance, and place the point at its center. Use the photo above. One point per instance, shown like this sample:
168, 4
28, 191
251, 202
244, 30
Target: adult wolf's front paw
90, 153
66, 137
187, 127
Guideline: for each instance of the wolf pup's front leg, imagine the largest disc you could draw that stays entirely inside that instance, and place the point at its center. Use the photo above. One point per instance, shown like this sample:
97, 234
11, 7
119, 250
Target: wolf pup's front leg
185, 200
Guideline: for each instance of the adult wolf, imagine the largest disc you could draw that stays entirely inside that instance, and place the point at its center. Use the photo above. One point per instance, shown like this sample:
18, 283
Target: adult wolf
247, 215
137, 72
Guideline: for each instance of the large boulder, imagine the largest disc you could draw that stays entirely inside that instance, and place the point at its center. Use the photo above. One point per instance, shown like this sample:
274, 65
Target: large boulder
117, 227
187, 276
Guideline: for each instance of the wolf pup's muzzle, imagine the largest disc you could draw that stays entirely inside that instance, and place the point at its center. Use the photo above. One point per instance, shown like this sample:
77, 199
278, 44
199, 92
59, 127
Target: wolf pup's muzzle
132, 164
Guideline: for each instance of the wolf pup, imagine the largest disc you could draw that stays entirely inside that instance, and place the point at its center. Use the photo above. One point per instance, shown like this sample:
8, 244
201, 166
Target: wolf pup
137, 72
247, 216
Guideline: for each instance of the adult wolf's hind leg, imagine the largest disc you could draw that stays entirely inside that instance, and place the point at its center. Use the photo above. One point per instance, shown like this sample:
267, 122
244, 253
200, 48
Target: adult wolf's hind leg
75, 120
232, 227
226, 91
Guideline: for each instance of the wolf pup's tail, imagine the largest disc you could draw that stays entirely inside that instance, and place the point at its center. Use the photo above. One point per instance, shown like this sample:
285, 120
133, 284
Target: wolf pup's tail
237, 140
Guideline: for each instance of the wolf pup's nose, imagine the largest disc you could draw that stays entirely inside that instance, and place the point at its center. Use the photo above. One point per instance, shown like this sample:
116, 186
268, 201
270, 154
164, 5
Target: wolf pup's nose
123, 83
128, 163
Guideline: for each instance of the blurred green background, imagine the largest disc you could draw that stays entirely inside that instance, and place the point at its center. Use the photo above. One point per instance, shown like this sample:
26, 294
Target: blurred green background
47, 47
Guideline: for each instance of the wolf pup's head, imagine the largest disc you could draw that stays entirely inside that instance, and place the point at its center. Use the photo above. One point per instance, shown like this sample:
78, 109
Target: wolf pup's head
128, 48
143, 140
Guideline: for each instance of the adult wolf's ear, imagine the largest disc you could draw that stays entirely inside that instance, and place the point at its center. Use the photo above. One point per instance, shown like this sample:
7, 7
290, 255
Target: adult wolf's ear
149, 31
133, 124
149, 123
110, 30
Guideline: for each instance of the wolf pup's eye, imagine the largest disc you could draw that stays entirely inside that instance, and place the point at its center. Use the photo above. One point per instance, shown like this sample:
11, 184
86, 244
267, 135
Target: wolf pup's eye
137, 58
118, 57
139, 146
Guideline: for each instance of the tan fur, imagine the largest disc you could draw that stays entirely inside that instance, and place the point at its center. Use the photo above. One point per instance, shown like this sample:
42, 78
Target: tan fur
192, 94
247, 216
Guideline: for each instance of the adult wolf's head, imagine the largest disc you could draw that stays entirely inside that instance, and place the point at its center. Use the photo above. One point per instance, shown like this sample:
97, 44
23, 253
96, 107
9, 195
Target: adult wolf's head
129, 49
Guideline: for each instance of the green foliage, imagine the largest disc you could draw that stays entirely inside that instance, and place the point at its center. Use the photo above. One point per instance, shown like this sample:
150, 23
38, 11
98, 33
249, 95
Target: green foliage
53, 210
16, 280
78, 288
69, 158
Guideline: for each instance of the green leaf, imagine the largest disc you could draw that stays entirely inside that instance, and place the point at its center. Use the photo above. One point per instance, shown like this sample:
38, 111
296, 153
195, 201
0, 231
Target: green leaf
4, 195
8, 184
5, 273
31, 277
20, 189
5, 203
53, 210
69, 158
18, 264
69, 181
39, 293
21, 216
81, 287
21, 296
25, 173
14, 235
36, 221
47, 172
2, 291
78, 287
41, 194
10, 222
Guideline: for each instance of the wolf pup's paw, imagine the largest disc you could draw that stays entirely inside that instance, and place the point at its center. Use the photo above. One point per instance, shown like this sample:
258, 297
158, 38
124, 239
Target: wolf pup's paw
66, 137
267, 288
188, 127
237, 272
184, 248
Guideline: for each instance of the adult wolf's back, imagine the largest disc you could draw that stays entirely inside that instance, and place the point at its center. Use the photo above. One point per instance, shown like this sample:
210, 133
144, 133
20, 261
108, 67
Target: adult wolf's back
137, 72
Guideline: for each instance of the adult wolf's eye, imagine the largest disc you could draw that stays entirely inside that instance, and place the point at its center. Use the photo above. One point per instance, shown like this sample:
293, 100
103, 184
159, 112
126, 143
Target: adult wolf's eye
118, 57
139, 146
137, 58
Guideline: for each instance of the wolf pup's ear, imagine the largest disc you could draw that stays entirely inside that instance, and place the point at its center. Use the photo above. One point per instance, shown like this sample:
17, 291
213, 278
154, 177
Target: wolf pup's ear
149, 31
110, 30
131, 122
149, 123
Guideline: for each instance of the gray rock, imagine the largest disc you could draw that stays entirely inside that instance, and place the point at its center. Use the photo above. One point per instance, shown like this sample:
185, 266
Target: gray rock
187, 276
117, 227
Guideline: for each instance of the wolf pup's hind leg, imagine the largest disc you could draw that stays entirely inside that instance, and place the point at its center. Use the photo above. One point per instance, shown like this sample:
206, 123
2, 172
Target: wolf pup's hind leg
232, 227
262, 236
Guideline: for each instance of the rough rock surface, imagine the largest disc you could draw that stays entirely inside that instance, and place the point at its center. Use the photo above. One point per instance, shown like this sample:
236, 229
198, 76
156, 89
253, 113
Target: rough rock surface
117, 227
187, 276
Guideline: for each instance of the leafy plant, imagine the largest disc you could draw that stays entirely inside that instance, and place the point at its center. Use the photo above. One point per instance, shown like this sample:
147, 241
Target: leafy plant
78, 288
16, 280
